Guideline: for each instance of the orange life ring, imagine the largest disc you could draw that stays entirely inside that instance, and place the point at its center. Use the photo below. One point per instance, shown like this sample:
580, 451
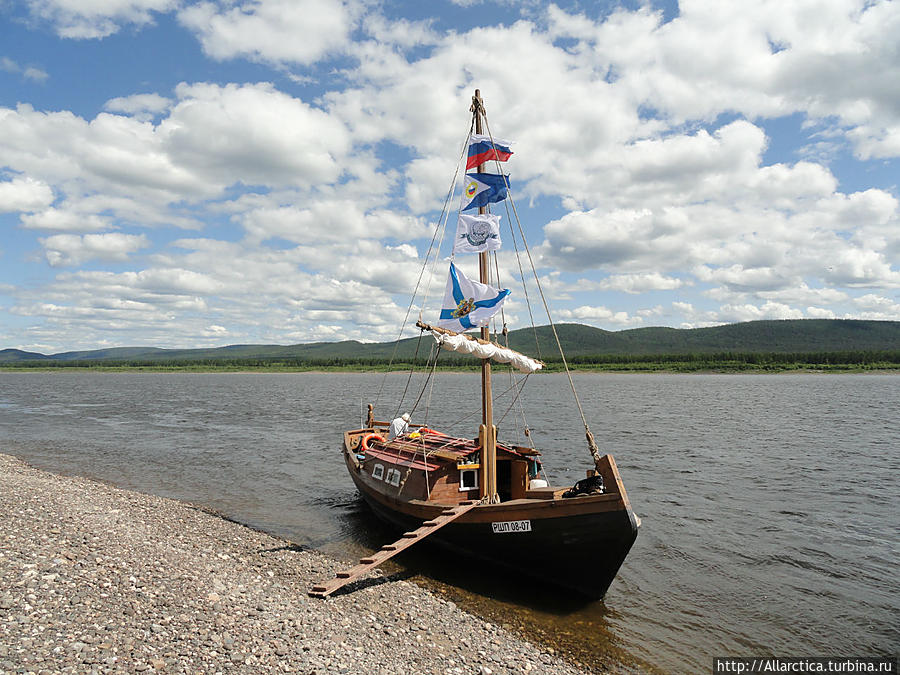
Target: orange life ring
364, 443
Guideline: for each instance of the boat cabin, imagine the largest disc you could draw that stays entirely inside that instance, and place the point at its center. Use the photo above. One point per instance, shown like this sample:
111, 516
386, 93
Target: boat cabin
431, 466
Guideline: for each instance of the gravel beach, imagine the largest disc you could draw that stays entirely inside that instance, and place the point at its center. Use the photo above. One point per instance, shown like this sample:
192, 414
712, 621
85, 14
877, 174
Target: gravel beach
94, 579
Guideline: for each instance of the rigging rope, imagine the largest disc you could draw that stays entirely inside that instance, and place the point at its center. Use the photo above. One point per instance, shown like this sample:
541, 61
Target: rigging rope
438, 229
509, 219
437, 353
408, 379
592, 445
445, 217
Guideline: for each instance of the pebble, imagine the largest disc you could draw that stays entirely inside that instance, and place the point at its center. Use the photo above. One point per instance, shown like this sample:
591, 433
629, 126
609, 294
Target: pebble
94, 579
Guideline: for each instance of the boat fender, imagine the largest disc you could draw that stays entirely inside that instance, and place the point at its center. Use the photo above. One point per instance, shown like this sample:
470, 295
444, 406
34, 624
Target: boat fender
592, 485
364, 443
426, 430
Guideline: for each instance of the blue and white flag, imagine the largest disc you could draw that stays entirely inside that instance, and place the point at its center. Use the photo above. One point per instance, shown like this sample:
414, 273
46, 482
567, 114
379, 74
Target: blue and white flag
483, 188
468, 304
477, 233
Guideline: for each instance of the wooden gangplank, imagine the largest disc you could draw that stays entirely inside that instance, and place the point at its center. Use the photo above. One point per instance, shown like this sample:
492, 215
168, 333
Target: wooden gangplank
389, 550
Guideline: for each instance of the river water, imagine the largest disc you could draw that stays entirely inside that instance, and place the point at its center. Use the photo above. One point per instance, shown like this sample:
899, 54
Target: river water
770, 503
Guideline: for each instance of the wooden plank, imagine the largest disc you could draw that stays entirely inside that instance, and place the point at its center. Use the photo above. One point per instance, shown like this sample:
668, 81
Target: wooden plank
409, 538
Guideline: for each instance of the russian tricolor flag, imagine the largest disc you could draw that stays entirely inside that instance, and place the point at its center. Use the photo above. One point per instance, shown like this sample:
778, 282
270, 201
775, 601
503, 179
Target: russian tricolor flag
481, 150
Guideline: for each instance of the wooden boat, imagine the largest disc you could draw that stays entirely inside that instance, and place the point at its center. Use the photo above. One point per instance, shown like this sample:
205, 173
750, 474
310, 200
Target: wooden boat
572, 537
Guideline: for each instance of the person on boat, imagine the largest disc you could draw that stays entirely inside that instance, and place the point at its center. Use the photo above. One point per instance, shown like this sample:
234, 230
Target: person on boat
399, 426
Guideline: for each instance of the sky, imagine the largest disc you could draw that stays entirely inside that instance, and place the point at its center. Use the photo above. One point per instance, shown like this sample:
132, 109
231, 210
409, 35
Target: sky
176, 173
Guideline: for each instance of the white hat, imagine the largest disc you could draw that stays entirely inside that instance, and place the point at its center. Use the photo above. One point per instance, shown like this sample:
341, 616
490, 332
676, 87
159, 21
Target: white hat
405, 417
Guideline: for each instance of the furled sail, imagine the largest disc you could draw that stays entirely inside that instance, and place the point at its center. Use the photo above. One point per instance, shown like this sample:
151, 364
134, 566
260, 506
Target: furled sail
464, 344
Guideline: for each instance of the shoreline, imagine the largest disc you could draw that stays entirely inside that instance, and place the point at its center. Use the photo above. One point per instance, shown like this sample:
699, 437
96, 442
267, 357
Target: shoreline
880, 369
97, 578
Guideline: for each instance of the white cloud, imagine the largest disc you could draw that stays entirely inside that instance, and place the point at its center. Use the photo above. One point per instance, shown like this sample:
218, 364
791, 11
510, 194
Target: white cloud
594, 240
65, 221
213, 138
34, 73
820, 313
857, 268
769, 310
400, 32
327, 220
827, 60
28, 72
747, 242
24, 194
72, 249
695, 164
274, 31
143, 107
783, 186
253, 134
631, 283
873, 143
877, 308
602, 315
737, 277
96, 18
111, 154
803, 294
730, 313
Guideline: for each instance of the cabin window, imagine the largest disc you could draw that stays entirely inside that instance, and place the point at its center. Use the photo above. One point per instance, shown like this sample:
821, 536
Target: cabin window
378, 471
393, 477
468, 479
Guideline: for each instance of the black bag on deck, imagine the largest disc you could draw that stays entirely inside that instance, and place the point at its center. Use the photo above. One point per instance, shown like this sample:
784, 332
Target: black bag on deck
593, 485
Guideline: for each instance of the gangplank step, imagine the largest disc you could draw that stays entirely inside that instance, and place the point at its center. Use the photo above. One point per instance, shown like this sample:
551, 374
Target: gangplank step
389, 550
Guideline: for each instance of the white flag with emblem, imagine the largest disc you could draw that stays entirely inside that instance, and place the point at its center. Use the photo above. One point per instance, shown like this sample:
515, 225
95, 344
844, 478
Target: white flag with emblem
477, 233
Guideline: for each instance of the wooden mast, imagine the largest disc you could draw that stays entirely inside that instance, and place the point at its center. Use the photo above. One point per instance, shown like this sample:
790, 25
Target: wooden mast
487, 434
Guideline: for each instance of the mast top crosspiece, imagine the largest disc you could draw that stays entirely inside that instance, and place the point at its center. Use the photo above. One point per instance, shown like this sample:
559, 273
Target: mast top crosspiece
477, 103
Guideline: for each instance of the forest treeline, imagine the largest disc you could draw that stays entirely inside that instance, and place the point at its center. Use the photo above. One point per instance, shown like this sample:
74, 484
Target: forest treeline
722, 361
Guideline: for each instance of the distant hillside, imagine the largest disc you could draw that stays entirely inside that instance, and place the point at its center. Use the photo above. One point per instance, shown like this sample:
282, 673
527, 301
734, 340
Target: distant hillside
801, 335
9, 355
791, 336
113, 353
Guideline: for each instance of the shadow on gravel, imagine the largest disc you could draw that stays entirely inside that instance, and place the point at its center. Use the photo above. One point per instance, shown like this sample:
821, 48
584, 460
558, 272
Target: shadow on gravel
373, 581
296, 548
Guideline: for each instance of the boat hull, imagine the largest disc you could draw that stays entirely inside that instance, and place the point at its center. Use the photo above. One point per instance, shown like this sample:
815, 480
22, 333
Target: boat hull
577, 544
